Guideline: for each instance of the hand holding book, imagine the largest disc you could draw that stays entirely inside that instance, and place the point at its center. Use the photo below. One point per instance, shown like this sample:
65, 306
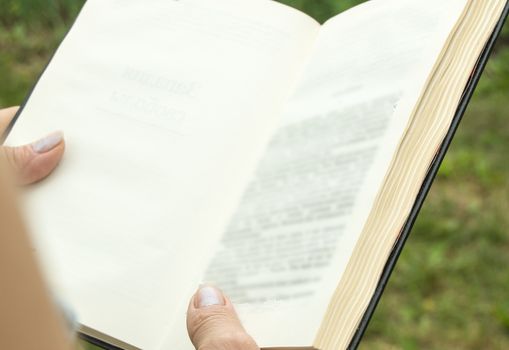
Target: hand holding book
212, 320
31, 163
213, 324
211, 315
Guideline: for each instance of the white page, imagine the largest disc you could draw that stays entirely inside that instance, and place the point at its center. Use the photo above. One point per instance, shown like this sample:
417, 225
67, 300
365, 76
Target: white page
291, 239
165, 105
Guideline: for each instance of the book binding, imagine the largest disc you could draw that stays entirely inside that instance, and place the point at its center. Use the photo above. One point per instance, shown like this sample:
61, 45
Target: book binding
426, 186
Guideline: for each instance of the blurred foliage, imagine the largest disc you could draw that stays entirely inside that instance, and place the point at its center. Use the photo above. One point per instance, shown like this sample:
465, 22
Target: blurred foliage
450, 287
321, 10
38, 13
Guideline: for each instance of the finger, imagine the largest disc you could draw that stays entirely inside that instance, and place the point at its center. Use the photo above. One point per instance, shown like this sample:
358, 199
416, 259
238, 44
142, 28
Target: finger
32, 163
6, 116
213, 324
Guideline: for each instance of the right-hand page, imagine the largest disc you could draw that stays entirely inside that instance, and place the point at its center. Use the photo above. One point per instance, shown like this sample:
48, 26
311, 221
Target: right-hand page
291, 239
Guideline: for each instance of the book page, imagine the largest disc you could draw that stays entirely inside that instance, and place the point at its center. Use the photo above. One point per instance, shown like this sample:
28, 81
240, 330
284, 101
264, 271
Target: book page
433, 120
290, 240
165, 106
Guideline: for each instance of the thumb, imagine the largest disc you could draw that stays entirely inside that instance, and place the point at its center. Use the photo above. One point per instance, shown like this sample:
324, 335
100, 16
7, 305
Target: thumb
31, 163
213, 324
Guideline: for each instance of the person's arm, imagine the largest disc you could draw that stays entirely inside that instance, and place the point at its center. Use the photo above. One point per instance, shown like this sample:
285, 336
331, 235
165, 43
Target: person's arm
28, 318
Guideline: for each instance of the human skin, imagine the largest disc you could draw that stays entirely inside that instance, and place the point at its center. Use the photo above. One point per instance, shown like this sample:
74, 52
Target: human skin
212, 322
33, 162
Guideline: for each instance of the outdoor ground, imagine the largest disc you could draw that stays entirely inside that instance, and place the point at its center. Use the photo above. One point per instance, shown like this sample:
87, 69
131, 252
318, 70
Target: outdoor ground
450, 289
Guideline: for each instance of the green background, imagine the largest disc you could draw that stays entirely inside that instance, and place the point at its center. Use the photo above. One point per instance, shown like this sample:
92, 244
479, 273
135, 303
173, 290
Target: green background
450, 287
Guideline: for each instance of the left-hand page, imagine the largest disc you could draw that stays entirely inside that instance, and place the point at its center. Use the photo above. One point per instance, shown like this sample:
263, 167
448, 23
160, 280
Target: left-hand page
166, 106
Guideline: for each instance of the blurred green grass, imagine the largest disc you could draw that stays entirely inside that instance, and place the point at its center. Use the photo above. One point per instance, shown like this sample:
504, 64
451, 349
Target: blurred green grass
450, 287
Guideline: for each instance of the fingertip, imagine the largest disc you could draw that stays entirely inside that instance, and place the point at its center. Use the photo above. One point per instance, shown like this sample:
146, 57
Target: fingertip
48, 143
42, 164
212, 322
207, 296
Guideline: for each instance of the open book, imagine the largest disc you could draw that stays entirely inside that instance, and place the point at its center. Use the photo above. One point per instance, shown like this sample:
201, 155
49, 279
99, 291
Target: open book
243, 144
